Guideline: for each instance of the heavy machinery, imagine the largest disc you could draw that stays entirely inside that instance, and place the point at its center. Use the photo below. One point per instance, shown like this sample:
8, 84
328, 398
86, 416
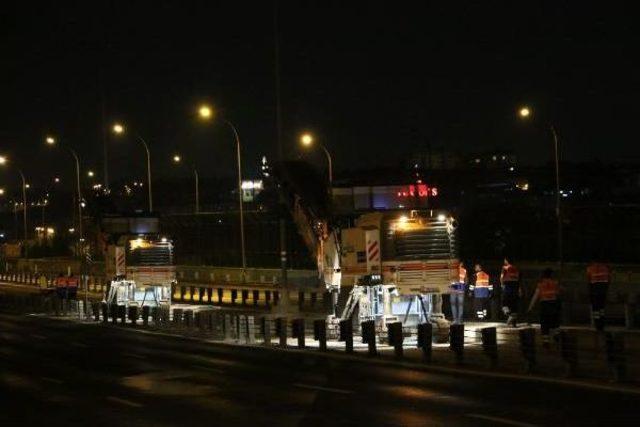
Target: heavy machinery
395, 264
142, 270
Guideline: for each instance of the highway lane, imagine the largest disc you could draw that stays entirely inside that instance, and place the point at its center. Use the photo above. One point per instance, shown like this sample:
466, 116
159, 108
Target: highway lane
54, 372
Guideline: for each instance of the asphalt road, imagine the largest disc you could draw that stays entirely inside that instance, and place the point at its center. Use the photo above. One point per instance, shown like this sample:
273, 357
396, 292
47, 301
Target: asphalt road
54, 373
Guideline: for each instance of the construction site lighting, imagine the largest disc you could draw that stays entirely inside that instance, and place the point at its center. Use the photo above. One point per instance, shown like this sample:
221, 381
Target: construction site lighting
442, 217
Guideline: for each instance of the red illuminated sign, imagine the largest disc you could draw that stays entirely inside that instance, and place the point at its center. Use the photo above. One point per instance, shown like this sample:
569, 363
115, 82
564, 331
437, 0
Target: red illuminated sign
419, 190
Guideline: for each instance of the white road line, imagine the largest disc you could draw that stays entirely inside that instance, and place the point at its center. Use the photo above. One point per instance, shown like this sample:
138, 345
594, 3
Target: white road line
135, 356
124, 402
205, 368
52, 380
500, 420
320, 388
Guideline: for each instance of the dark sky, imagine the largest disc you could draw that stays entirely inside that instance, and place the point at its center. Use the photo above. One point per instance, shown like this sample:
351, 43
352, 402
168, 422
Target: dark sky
374, 81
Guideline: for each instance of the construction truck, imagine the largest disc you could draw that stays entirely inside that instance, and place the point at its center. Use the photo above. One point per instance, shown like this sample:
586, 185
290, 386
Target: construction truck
395, 264
142, 271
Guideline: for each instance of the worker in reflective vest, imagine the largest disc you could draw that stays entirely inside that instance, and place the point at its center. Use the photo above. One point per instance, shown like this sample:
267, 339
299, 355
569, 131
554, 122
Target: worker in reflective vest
510, 281
598, 277
547, 292
482, 290
456, 294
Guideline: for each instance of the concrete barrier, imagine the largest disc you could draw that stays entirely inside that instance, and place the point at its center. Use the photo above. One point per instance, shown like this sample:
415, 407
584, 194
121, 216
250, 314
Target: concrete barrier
528, 348
456, 342
490, 345
297, 328
368, 328
346, 334
320, 333
396, 338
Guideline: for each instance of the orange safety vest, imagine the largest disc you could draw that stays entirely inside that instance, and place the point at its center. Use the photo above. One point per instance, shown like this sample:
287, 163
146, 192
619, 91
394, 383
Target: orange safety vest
61, 282
482, 279
548, 290
462, 274
510, 273
72, 282
598, 273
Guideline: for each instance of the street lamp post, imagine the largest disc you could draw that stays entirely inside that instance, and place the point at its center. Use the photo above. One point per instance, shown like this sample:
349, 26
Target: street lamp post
3, 160
51, 141
206, 113
177, 159
118, 129
307, 140
524, 113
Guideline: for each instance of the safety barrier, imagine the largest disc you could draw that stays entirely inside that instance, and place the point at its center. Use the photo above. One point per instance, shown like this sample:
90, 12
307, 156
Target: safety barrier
575, 352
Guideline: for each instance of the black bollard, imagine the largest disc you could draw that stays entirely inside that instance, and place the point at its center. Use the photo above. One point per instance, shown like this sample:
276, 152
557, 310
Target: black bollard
133, 314
96, 308
146, 310
346, 334
425, 340
395, 337
320, 333
490, 345
297, 326
281, 330
369, 336
456, 342
265, 330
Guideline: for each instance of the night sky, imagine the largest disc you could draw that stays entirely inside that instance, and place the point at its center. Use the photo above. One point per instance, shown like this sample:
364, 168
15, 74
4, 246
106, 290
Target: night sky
374, 82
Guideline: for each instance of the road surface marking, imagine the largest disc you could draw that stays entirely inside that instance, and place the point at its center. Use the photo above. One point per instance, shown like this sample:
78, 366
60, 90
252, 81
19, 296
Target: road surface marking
320, 388
500, 420
124, 402
79, 344
52, 380
205, 368
135, 356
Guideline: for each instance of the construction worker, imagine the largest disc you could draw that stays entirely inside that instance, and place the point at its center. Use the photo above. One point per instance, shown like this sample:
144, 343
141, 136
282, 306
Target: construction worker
598, 277
482, 290
547, 292
456, 294
510, 281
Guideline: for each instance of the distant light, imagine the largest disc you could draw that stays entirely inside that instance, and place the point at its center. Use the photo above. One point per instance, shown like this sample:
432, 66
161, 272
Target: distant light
177, 158
3, 160
90, 174
72, 230
495, 158
205, 112
83, 204
512, 168
524, 112
1, 235
27, 186
442, 217
50, 140
477, 160
56, 179
403, 219
306, 139
1, 191
118, 128
163, 240
50, 230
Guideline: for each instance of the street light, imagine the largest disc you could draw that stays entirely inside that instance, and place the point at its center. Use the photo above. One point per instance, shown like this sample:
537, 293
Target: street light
52, 141
90, 174
524, 113
206, 113
119, 129
307, 140
178, 159
4, 161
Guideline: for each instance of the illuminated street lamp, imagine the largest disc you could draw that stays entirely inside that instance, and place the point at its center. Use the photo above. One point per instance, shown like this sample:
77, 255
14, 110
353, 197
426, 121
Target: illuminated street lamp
307, 140
4, 161
206, 113
119, 129
178, 159
90, 174
52, 141
525, 113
